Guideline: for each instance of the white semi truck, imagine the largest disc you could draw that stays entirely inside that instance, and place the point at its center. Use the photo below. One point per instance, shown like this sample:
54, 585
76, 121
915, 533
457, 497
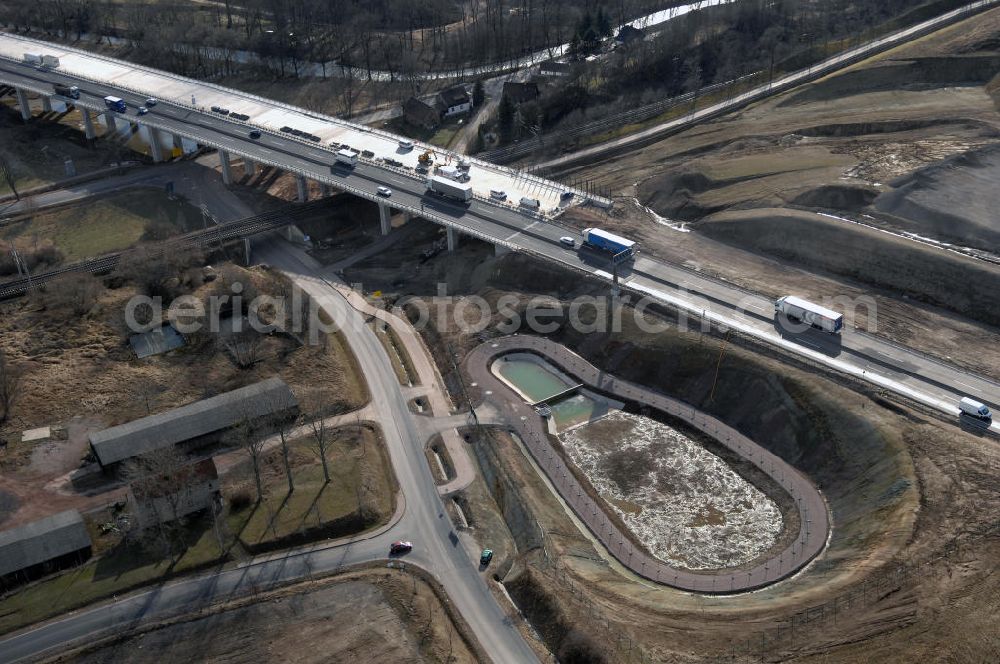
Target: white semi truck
797, 309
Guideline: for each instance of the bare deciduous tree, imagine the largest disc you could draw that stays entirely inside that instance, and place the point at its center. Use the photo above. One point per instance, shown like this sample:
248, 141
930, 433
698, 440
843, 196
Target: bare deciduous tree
10, 382
320, 437
242, 346
161, 481
251, 438
76, 293
7, 173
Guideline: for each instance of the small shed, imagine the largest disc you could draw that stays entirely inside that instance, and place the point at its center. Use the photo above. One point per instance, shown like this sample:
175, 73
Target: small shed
554, 68
419, 114
629, 34
39, 547
195, 424
156, 341
519, 93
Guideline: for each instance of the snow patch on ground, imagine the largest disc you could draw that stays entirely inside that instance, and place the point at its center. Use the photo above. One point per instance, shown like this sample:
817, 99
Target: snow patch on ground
686, 505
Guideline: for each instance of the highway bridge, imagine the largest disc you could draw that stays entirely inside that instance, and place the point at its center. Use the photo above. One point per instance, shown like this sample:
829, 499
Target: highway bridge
916, 376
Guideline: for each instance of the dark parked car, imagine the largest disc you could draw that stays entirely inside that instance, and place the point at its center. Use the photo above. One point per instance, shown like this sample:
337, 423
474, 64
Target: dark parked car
254, 134
486, 557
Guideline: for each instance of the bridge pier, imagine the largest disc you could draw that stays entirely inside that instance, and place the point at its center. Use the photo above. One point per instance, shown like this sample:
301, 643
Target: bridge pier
452, 238
324, 190
22, 103
385, 221
246, 249
500, 250
155, 148
300, 183
227, 169
112, 123
88, 124
249, 167
46, 104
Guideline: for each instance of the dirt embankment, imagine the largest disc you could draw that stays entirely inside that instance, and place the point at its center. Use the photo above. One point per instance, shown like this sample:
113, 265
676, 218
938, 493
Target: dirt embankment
914, 73
940, 278
954, 200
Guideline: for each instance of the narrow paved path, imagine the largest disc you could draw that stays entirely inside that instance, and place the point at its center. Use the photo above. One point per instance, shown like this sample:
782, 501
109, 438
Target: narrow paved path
813, 513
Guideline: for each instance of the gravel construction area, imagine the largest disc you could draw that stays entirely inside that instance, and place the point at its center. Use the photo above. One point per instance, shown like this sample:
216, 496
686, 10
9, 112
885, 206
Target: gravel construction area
684, 504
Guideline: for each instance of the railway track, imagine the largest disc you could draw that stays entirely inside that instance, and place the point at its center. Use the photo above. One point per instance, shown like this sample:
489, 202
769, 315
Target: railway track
221, 234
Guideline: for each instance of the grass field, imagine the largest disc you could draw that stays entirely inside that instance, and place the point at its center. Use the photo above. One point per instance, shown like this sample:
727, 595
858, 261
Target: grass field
101, 226
360, 493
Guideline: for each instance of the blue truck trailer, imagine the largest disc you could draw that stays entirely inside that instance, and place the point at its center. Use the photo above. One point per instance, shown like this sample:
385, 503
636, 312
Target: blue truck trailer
115, 104
616, 245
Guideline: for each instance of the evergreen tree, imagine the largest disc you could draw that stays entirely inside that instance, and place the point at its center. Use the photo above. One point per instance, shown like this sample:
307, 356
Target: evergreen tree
603, 23
505, 119
478, 94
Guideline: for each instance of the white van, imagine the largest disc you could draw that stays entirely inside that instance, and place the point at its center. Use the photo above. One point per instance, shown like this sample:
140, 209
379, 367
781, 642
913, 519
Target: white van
531, 203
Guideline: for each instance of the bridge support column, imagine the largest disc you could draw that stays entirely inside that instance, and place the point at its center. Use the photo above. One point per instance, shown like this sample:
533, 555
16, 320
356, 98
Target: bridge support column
324, 190
22, 103
112, 123
385, 221
500, 250
452, 238
227, 169
46, 104
88, 124
249, 167
300, 183
246, 249
155, 148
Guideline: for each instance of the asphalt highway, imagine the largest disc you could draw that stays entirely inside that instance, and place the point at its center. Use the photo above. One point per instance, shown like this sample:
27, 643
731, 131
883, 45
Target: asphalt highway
915, 375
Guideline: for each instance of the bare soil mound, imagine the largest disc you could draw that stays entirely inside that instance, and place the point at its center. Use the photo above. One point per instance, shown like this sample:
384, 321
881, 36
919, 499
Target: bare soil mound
673, 195
954, 200
836, 197
934, 276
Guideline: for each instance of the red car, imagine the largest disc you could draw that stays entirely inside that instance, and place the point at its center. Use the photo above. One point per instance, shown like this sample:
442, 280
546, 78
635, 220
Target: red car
397, 548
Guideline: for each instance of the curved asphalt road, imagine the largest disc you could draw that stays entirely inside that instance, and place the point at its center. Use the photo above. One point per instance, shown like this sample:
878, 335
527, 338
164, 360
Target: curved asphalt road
424, 521
813, 513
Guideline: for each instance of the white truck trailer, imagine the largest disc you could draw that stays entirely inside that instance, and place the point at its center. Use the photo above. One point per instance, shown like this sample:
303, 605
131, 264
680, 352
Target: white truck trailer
795, 308
347, 158
460, 191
